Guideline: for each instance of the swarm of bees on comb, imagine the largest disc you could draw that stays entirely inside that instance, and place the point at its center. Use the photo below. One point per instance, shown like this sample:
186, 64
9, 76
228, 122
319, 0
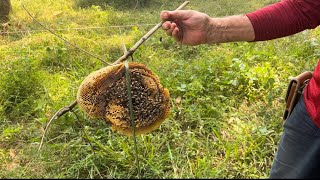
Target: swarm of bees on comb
103, 94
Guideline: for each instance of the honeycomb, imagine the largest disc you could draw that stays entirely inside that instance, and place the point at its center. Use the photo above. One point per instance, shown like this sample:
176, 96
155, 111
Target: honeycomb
103, 94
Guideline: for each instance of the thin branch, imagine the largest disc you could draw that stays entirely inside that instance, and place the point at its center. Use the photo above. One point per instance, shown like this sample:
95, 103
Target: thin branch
58, 114
144, 38
123, 44
128, 78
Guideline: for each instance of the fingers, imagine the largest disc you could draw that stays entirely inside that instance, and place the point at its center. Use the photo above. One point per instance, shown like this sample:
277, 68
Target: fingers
169, 26
166, 25
175, 34
164, 15
178, 14
171, 29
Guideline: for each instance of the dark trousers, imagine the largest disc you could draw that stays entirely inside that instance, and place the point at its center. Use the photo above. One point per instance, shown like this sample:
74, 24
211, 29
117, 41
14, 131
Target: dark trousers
298, 154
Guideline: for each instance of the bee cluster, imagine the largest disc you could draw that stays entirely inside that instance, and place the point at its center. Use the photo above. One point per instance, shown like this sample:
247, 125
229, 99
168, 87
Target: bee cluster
104, 95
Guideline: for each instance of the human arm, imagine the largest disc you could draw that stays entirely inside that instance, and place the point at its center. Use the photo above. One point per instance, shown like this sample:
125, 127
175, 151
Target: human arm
194, 28
277, 20
285, 18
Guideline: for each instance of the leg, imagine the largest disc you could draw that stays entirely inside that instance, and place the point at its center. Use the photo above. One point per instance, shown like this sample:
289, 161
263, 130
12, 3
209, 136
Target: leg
298, 154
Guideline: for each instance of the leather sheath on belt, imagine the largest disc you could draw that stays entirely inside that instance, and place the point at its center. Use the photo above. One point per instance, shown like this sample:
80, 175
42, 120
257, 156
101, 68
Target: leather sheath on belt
295, 90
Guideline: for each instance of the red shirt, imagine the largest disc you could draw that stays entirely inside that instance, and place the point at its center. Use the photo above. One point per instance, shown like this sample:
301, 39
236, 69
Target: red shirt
286, 18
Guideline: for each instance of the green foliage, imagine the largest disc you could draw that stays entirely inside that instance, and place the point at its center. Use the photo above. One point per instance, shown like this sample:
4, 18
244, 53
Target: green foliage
226, 102
20, 88
9, 132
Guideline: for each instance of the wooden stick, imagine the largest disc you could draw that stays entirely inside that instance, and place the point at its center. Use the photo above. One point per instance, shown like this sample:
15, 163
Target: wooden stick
144, 38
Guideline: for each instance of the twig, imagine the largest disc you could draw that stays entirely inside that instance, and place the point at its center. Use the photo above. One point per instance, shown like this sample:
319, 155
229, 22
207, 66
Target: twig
123, 44
144, 38
128, 78
59, 113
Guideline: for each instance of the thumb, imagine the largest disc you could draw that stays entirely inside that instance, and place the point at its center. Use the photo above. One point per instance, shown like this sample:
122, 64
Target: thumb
177, 14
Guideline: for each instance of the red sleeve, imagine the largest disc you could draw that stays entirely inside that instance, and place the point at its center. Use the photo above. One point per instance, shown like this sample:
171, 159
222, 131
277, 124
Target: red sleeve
285, 18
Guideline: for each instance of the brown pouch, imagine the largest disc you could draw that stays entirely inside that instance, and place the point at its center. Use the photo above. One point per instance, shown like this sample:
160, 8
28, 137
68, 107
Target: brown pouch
295, 90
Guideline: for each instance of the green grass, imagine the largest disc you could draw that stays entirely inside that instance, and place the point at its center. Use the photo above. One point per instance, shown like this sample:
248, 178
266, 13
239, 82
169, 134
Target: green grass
227, 100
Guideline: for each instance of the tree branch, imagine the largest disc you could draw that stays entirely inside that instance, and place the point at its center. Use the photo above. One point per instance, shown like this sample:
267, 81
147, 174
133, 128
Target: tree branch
58, 114
144, 38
